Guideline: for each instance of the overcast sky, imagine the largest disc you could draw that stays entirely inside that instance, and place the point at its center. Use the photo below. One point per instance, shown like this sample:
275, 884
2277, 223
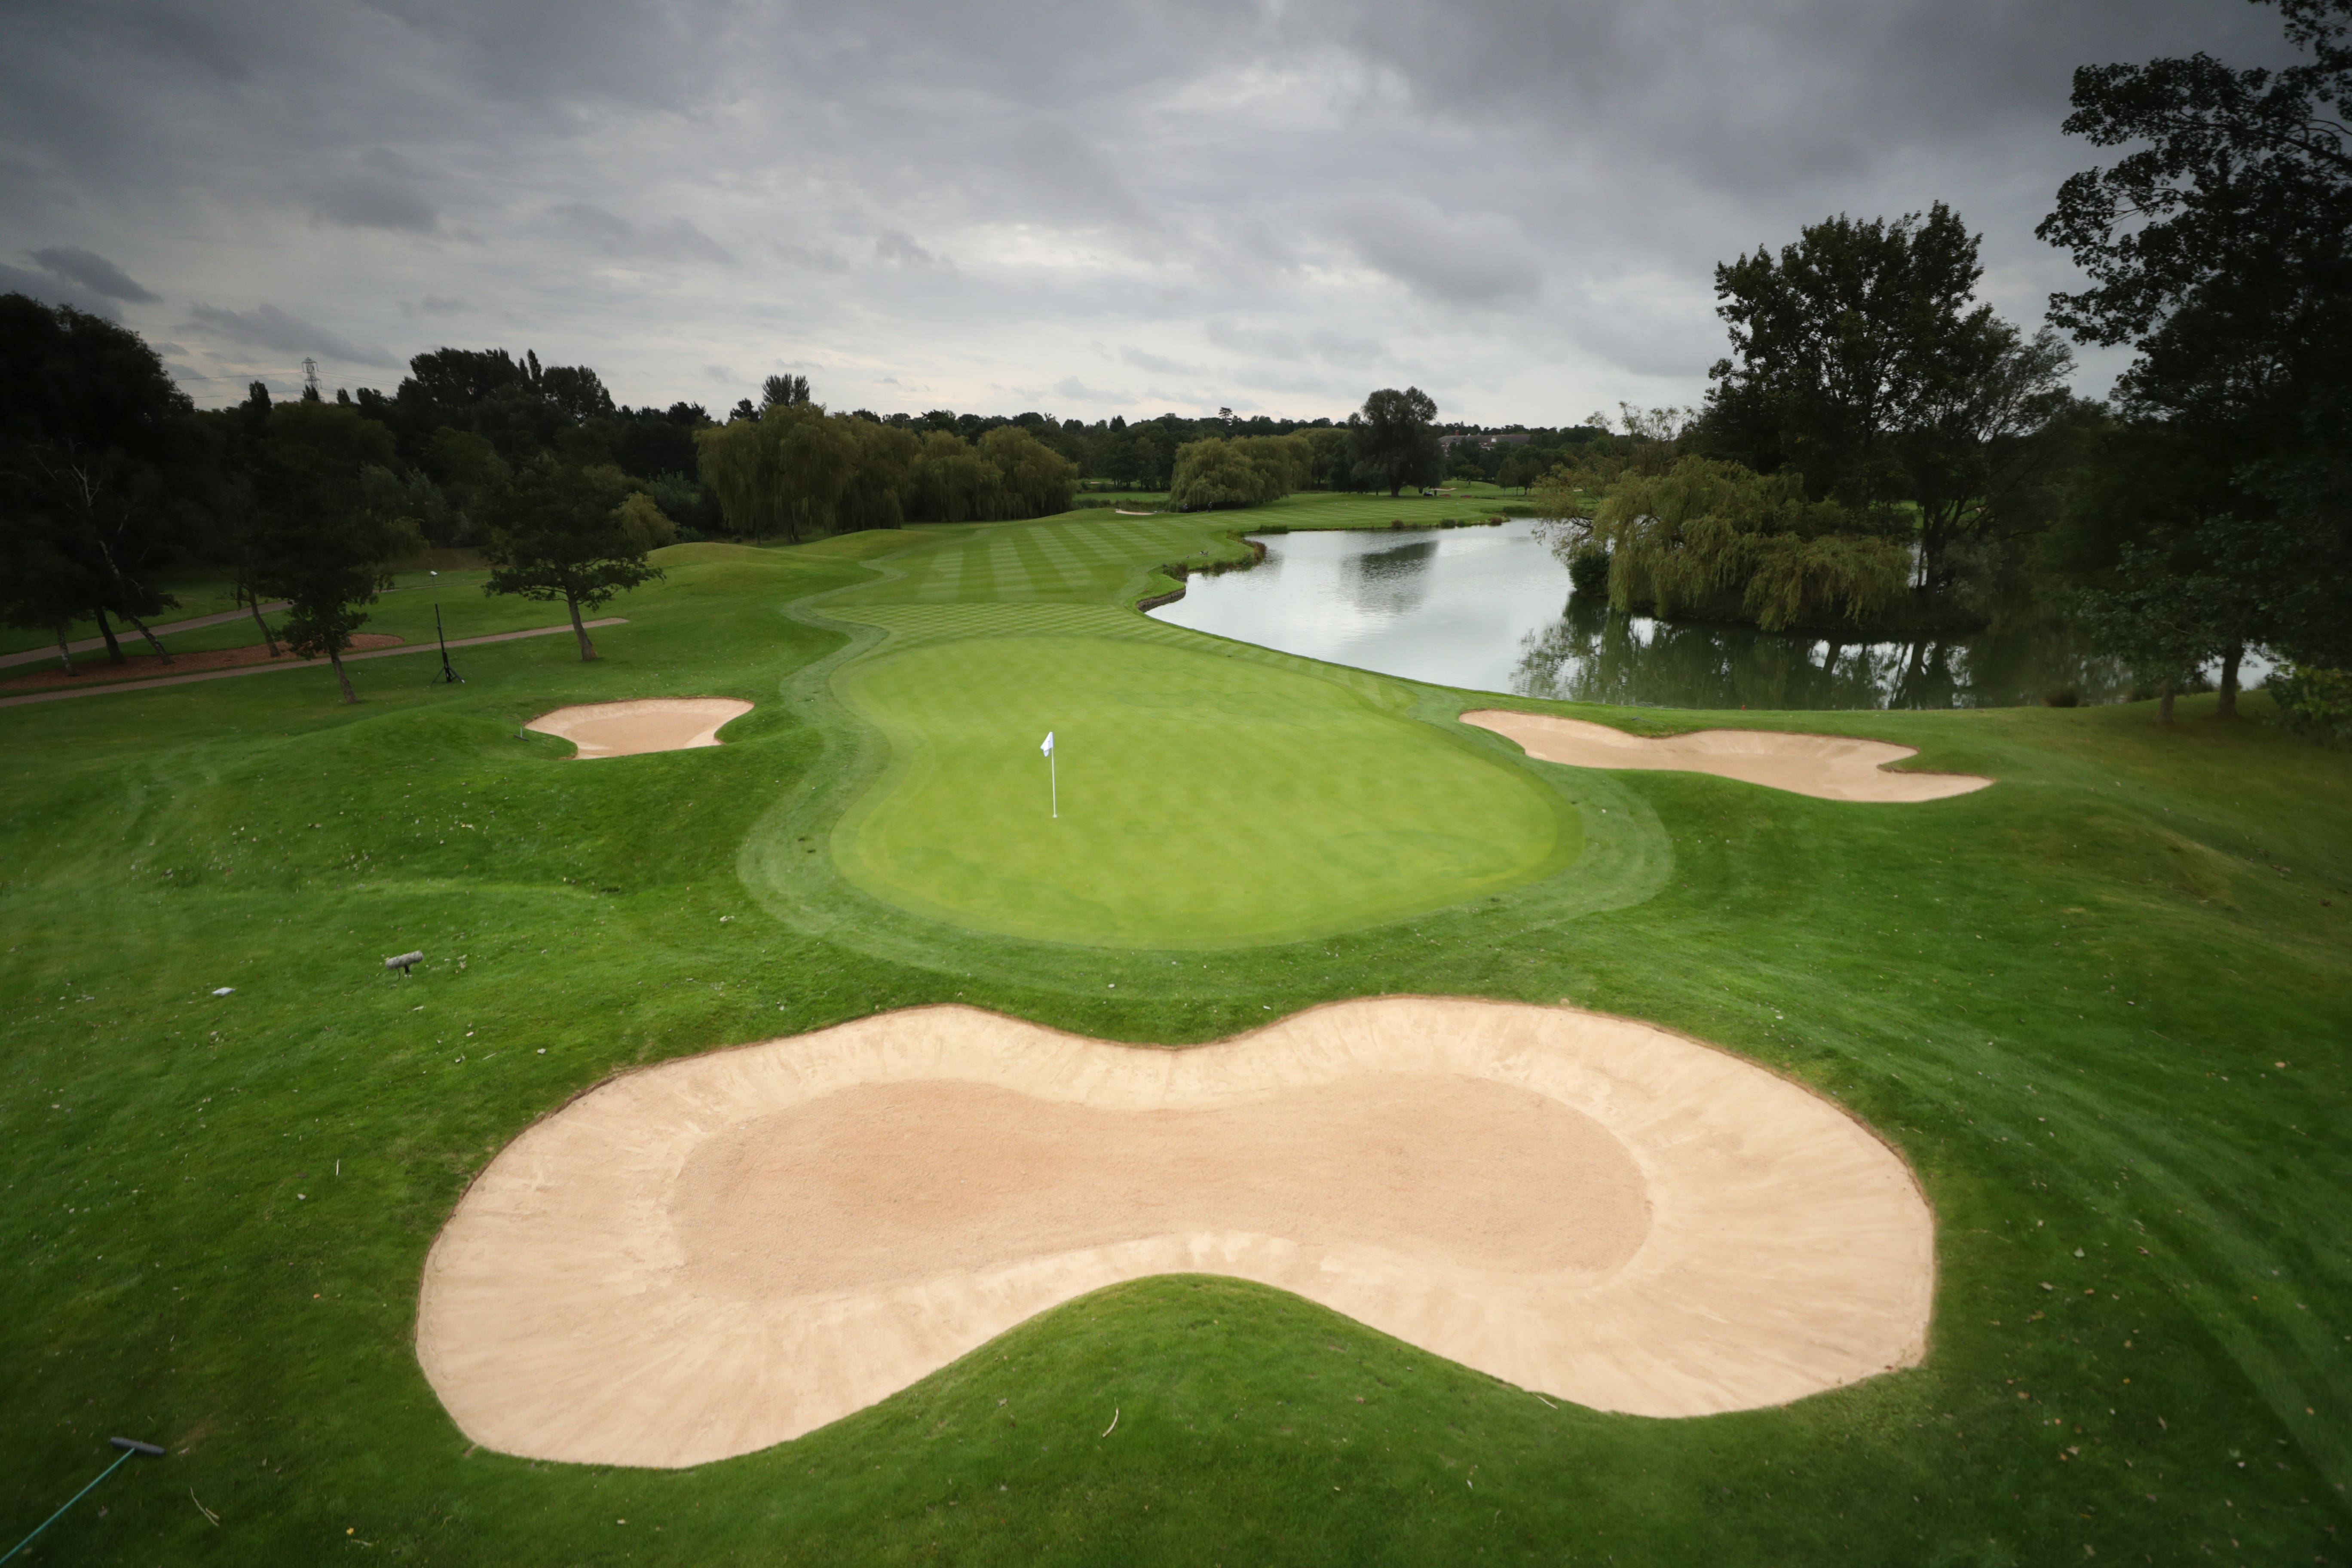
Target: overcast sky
1085, 208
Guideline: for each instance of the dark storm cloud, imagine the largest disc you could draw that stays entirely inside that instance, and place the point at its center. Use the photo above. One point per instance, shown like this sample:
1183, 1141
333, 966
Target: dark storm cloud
268, 327
1518, 203
51, 290
93, 272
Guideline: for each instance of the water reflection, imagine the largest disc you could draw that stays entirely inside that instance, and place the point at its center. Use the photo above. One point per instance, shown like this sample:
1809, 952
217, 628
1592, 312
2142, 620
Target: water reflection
1489, 609
1591, 656
1391, 581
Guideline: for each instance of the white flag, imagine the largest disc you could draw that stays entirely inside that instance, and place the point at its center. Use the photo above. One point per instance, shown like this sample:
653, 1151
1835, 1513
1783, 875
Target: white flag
1048, 747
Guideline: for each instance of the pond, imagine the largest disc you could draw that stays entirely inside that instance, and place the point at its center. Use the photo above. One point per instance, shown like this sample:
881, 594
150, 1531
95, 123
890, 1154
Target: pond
1489, 608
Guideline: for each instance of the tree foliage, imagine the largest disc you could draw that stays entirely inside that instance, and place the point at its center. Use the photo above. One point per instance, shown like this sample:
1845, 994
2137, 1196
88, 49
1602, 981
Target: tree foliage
1395, 443
2220, 249
574, 534
1251, 470
1715, 539
1862, 361
801, 472
317, 541
95, 441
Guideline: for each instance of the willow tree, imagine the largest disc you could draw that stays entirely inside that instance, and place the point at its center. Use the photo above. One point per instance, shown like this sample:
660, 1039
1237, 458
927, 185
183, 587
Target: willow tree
1249, 472
1716, 540
781, 472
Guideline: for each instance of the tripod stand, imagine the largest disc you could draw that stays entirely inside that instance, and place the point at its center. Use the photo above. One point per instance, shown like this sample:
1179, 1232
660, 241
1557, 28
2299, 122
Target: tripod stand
448, 675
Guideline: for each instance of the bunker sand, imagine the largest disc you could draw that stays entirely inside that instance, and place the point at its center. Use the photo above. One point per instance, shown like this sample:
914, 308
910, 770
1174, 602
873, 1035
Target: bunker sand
1829, 767
646, 725
713, 1255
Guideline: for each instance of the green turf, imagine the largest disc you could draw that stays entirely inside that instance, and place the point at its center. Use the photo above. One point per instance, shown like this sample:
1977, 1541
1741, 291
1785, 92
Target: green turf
1291, 809
2061, 999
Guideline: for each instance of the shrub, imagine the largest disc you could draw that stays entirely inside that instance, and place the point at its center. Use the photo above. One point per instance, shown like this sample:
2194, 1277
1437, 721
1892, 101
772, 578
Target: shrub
1588, 572
2315, 703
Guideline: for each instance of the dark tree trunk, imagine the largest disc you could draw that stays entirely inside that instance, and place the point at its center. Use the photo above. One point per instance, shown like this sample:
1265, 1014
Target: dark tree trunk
335, 657
65, 652
151, 641
253, 602
2227, 708
587, 648
2164, 705
114, 653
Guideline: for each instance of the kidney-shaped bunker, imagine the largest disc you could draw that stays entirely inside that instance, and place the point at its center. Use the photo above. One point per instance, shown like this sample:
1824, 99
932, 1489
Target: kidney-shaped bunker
710, 1256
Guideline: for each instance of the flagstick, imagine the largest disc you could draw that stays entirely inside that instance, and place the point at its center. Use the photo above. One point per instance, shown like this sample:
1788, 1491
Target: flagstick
1054, 783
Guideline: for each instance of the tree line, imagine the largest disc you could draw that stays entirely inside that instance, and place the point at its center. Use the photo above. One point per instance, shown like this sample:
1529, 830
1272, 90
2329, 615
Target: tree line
109, 478
1880, 450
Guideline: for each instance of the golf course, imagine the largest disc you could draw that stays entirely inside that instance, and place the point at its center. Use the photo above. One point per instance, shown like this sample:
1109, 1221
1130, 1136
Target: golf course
2096, 1017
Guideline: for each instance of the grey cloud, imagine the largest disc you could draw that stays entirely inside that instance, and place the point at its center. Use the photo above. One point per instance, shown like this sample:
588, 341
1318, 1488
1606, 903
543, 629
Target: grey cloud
895, 247
1155, 364
382, 194
1326, 194
674, 240
268, 327
93, 272
51, 290
1077, 391
1479, 260
435, 305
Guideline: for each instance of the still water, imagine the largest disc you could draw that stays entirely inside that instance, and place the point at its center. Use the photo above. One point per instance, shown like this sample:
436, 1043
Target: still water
1489, 608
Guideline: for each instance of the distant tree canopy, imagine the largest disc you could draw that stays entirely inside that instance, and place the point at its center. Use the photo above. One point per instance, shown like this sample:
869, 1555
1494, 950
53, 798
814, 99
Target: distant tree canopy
798, 472
1250, 471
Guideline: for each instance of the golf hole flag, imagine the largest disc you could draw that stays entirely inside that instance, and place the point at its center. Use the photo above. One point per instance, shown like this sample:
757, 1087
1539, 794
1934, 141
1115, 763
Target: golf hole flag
1052, 779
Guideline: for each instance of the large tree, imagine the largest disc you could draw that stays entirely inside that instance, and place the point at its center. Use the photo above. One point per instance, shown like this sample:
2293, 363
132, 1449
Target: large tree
560, 533
93, 432
2221, 247
1396, 439
318, 543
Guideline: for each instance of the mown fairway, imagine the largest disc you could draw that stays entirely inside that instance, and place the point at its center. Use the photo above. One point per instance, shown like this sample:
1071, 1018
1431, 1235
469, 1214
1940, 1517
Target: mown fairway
2066, 1000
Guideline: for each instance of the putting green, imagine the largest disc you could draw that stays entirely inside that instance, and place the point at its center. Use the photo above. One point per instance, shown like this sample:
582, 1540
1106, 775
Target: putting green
1206, 800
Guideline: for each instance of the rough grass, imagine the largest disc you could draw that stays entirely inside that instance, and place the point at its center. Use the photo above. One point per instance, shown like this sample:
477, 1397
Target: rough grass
2063, 999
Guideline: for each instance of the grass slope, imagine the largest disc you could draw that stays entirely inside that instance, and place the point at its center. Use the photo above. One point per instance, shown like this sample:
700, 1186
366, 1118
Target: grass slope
2063, 999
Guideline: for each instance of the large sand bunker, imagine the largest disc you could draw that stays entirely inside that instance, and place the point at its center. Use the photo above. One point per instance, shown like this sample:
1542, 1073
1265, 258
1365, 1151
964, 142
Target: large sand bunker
710, 1256
646, 724
1831, 767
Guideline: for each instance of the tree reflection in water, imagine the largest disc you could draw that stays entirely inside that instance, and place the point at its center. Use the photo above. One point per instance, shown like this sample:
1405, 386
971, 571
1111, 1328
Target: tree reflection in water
1592, 656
